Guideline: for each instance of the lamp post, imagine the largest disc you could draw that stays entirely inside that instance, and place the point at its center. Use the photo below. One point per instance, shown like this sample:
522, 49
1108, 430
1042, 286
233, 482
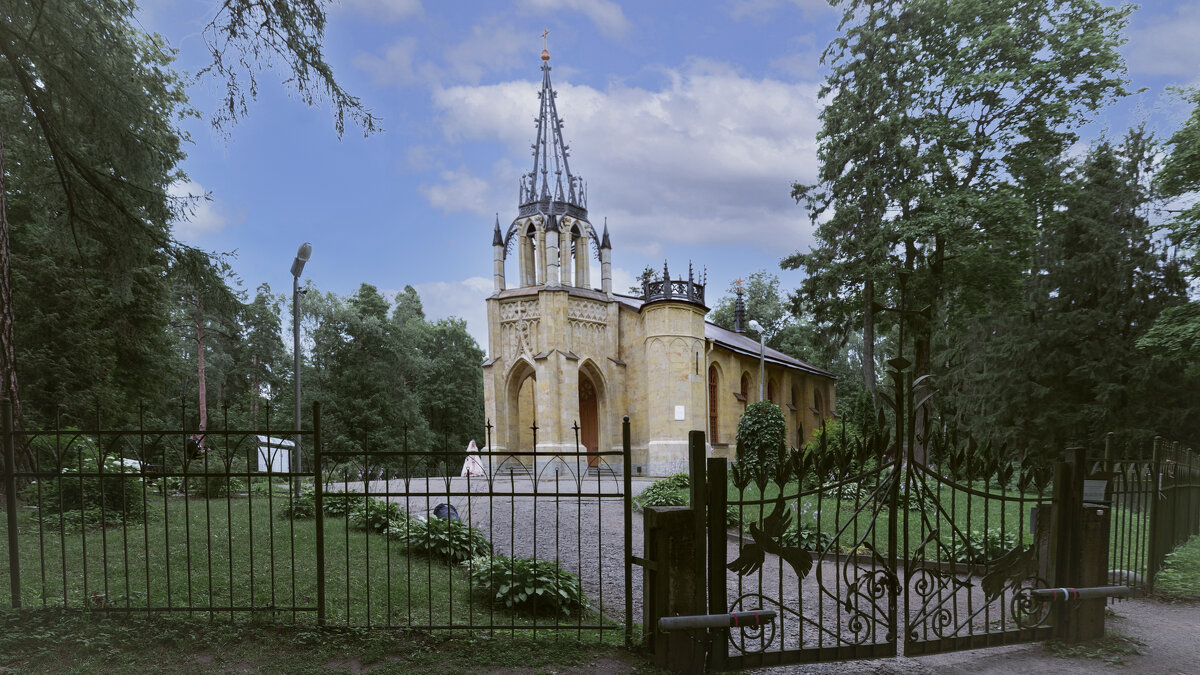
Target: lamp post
762, 359
302, 256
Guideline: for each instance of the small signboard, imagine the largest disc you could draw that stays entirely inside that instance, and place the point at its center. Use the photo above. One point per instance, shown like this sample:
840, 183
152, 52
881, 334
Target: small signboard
1094, 491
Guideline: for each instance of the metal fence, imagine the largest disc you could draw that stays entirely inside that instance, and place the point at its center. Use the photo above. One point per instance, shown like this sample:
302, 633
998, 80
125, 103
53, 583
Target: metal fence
214, 524
1155, 497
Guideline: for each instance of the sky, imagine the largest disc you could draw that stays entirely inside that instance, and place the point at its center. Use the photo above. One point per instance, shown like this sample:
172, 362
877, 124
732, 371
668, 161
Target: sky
689, 121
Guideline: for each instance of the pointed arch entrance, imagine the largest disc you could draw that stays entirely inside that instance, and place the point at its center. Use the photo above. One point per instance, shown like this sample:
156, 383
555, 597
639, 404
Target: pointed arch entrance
589, 417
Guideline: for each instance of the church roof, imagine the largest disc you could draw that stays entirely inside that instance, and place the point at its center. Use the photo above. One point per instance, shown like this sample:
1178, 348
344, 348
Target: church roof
738, 342
551, 187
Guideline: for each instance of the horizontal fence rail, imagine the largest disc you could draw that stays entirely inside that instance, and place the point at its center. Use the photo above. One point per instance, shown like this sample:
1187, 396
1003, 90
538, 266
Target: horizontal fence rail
208, 523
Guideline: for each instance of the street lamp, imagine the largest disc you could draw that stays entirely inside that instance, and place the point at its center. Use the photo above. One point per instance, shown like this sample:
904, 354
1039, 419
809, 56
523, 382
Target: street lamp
302, 256
762, 358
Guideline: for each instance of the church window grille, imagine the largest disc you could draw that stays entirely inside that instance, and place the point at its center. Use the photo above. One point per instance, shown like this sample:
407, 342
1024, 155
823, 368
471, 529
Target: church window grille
712, 404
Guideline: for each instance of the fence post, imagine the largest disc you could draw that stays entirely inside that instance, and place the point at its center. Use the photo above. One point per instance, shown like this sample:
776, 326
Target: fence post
699, 494
1156, 552
718, 603
318, 499
10, 499
1068, 504
627, 462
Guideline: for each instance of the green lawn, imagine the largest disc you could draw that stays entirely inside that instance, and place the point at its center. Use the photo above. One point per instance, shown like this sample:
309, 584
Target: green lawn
241, 557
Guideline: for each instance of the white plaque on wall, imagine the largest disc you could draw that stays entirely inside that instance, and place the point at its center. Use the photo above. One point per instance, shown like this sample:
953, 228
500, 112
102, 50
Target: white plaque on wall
679, 412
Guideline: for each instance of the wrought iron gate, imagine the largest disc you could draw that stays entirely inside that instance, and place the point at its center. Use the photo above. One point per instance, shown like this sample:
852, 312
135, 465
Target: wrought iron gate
873, 541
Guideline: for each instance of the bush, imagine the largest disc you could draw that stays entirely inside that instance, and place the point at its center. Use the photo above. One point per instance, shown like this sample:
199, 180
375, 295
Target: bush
761, 434
983, 547
213, 480
338, 502
93, 500
1179, 577
451, 540
376, 515
807, 537
666, 492
527, 584
302, 507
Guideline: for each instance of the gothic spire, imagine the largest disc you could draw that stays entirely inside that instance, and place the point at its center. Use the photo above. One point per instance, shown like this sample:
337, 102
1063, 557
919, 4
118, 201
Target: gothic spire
551, 181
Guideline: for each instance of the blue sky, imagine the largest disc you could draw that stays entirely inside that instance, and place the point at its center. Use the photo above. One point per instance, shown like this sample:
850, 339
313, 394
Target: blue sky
688, 120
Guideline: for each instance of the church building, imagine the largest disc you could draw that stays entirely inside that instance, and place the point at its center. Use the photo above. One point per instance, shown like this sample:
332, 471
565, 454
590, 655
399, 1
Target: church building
562, 352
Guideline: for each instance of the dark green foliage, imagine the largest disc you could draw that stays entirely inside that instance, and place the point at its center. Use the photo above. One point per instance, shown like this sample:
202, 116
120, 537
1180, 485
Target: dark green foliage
1179, 577
671, 491
92, 501
302, 507
761, 436
376, 515
528, 584
981, 547
808, 538
450, 540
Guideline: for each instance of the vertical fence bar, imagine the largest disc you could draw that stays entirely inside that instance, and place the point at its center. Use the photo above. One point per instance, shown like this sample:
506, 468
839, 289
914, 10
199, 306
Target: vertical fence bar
626, 460
318, 490
1155, 552
718, 602
699, 521
10, 500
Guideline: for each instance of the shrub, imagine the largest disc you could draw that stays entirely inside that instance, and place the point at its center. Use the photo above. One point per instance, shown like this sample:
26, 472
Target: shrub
376, 515
761, 434
302, 507
213, 480
451, 540
527, 584
807, 537
981, 547
1179, 577
666, 492
93, 500
338, 503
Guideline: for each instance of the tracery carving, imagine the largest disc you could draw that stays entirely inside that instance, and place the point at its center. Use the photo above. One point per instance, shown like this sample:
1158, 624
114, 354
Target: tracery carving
518, 327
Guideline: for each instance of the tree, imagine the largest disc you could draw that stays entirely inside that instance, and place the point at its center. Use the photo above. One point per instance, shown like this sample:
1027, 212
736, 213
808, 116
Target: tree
88, 108
1176, 333
452, 393
763, 303
264, 358
1064, 366
933, 107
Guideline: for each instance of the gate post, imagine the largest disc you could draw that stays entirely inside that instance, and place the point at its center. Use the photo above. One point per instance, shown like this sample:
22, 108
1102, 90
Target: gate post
1081, 552
671, 587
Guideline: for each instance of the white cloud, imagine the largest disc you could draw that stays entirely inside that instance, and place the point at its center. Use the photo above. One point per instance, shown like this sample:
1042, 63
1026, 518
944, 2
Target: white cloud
708, 158
491, 47
384, 10
1166, 44
394, 67
463, 299
460, 190
203, 216
605, 14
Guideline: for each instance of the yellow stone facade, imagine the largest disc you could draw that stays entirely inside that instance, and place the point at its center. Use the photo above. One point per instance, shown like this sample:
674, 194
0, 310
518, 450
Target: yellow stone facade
568, 358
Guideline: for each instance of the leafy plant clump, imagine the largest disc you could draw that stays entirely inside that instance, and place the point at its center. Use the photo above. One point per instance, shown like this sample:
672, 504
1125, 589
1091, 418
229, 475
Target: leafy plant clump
376, 515
981, 547
450, 540
527, 584
761, 434
1179, 578
85, 500
666, 492
807, 537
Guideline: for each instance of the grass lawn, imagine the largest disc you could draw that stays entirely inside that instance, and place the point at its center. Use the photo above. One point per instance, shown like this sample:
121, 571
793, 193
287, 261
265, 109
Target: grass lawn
55, 641
241, 558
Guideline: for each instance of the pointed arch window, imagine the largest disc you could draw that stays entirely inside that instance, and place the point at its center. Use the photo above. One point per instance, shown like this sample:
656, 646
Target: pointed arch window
745, 394
771, 391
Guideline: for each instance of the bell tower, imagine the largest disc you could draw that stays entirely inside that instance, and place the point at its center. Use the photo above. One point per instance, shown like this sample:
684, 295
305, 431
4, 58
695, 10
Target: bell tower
553, 368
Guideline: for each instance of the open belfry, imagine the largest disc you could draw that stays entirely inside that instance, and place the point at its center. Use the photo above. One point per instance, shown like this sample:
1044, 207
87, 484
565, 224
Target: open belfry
562, 353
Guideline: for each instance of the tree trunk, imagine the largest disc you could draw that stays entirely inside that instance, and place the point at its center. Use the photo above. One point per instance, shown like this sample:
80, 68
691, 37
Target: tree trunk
8, 348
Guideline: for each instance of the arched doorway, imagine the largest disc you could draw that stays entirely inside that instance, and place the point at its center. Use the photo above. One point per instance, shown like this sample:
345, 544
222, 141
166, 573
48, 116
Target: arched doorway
589, 418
